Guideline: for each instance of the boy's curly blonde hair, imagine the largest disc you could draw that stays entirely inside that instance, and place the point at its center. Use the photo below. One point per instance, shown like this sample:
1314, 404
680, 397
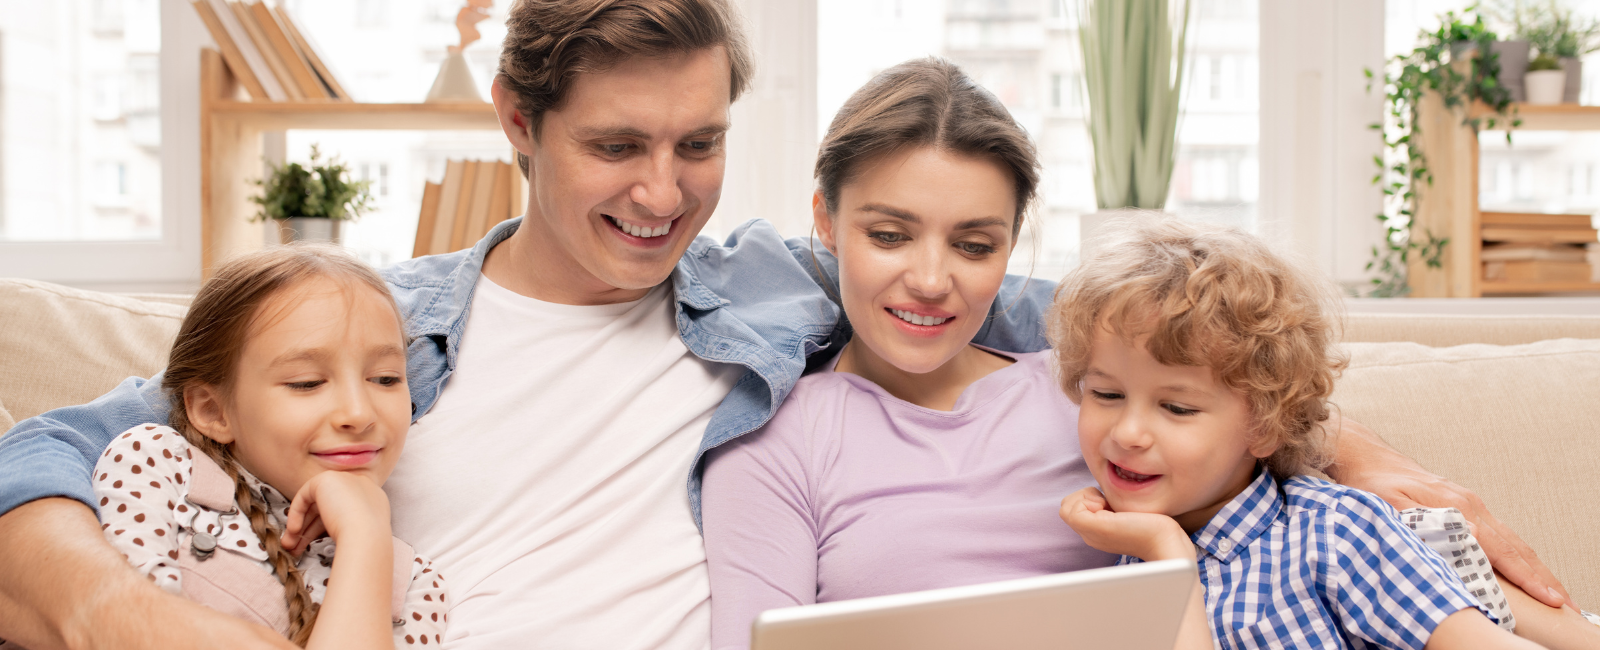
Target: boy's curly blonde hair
1216, 297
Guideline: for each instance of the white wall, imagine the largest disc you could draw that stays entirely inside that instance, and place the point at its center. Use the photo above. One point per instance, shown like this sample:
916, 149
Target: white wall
1316, 149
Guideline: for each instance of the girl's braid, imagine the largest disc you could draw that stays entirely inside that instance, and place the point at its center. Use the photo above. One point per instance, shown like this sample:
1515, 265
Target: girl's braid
302, 610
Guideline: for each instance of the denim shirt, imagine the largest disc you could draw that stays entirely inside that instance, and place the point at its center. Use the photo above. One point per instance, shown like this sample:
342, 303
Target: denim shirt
755, 300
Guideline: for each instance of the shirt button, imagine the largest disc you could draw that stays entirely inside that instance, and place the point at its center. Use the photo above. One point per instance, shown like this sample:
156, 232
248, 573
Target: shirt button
1224, 546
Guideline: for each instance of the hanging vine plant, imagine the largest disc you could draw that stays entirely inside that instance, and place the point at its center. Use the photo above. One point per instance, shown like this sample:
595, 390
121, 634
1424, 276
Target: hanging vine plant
1402, 168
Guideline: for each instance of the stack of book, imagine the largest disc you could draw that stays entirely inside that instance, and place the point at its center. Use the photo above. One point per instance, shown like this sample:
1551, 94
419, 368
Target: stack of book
474, 197
272, 59
1530, 247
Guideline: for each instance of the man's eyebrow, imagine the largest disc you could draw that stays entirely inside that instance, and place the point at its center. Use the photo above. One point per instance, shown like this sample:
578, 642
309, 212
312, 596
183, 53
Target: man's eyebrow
603, 132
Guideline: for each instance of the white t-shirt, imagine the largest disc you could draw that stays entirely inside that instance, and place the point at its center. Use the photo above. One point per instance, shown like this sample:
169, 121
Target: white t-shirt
548, 481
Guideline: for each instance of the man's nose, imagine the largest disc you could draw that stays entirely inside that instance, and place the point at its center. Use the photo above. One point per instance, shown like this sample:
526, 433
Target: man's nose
657, 190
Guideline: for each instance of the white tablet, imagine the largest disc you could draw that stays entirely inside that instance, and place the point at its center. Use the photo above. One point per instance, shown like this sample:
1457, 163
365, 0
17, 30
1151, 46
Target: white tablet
1129, 607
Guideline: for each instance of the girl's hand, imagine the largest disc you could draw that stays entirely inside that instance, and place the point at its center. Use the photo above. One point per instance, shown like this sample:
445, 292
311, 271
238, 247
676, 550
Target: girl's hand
349, 506
1146, 536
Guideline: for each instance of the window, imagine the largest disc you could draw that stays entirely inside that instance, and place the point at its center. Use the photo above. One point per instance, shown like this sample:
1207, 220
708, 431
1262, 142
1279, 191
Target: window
1026, 53
79, 122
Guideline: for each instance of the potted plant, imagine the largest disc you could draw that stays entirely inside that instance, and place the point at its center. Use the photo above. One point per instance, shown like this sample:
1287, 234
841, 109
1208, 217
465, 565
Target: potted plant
1458, 62
309, 202
1133, 61
1545, 80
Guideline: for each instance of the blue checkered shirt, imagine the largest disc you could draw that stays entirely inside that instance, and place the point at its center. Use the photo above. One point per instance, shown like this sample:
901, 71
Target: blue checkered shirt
1320, 565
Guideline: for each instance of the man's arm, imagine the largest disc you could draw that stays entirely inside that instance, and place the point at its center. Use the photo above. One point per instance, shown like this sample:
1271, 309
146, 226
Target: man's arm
63, 586
1364, 461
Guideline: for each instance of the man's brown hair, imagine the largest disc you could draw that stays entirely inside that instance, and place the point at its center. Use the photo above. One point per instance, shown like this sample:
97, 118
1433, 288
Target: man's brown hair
550, 42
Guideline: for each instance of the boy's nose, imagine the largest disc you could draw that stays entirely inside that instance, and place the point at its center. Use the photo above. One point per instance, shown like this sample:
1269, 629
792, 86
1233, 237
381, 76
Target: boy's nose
1131, 432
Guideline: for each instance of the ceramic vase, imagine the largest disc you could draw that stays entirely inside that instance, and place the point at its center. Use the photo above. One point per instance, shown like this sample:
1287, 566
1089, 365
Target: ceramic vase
1513, 59
1574, 87
310, 229
454, 83
1545, 86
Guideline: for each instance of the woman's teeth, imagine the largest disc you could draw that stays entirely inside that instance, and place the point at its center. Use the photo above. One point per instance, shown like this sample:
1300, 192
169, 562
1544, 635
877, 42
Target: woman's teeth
916, 319
638, 231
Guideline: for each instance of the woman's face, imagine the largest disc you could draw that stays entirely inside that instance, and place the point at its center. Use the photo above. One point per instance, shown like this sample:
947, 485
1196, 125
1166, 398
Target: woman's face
922, 237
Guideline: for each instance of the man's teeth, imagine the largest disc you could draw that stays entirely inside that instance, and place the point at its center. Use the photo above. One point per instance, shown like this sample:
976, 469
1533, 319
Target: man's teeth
638, 231
916, 319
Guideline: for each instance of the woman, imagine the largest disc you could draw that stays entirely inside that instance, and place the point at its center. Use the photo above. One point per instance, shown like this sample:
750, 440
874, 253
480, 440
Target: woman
918, 460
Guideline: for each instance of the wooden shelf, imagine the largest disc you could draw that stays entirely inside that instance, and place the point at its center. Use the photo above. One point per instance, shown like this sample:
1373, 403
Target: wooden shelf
1549, 117
1502, 288
231, 148
273, 116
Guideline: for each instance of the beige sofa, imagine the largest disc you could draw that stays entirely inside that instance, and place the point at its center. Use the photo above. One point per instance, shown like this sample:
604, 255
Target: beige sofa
1511, 411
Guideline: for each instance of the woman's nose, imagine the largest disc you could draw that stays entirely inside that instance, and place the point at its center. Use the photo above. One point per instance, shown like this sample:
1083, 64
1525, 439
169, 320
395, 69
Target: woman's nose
929, 273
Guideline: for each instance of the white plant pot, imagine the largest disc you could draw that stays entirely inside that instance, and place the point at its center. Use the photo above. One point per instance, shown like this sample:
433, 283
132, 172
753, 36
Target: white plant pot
1545, 86
310, 229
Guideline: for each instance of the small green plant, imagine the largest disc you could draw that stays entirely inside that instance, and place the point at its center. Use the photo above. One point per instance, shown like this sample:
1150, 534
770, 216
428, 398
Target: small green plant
1550, 28
321, 191
1543, 62
1402, 168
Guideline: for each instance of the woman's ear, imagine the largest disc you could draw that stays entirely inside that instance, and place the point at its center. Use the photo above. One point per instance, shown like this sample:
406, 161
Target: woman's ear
207, 413
824, 222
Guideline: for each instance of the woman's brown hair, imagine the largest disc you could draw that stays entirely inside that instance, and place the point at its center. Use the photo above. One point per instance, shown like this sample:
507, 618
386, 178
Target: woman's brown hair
206, 353
925, 103
1210, 296
550, 42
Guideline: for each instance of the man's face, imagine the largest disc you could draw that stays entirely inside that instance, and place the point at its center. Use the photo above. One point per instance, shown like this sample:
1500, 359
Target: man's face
627, 171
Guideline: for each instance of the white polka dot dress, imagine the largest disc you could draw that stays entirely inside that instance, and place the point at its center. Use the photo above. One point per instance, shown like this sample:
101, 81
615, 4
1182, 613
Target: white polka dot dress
157, 511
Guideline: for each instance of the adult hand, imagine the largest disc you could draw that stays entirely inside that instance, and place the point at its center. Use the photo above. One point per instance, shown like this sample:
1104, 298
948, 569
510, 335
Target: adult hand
345, 504
1146, 536
63, 586
1365, 462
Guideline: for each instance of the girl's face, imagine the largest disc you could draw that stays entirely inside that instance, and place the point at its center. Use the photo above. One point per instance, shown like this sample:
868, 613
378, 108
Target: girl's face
1171, 440
922, 237
320, 385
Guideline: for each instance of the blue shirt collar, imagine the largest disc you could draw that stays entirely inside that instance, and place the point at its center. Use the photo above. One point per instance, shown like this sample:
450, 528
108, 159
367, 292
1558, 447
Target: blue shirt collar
1242, 520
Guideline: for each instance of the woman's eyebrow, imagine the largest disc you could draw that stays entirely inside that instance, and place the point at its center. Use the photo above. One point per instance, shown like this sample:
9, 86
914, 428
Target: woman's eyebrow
891, 211
982, 222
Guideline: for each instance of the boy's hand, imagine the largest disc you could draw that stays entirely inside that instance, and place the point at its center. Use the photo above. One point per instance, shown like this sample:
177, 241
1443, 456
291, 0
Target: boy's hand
1146, 536
346, 505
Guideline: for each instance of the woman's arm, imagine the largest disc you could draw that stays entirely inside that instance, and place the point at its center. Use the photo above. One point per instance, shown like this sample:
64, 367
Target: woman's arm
761, 542
1366, 463
1469, 629
355, 611
1557, 628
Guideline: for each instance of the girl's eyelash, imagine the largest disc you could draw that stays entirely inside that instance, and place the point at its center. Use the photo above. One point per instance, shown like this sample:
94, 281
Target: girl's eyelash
305, 385
387, 381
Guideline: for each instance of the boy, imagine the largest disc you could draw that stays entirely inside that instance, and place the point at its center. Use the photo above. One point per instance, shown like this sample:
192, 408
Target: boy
1202, 363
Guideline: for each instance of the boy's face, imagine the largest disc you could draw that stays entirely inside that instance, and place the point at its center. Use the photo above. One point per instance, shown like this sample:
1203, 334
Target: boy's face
1170, 440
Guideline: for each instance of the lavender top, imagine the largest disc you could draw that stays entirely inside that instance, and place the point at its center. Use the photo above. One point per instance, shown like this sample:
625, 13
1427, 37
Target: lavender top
849, 492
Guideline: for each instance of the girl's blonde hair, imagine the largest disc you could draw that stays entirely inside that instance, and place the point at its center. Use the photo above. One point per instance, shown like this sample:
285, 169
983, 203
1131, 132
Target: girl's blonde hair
206, 353
1215, 297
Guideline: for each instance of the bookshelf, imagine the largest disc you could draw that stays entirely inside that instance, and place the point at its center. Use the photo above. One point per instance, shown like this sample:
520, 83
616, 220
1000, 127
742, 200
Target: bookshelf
1449, 207
231, 127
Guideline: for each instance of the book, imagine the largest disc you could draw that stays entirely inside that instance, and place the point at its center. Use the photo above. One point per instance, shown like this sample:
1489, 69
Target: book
299, 70
230, 52
1540, 235
430, 211
254, 64
463, 211
259, 38
499, 200
1537, 271
1534, 219
468, 223
309, 50
449, 196
1515, 252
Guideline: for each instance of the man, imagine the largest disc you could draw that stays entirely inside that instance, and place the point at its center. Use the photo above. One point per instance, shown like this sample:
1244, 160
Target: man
567, 373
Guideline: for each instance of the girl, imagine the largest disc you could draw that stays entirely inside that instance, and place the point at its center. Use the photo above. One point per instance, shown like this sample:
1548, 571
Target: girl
1203, 363
288, 379
917, 460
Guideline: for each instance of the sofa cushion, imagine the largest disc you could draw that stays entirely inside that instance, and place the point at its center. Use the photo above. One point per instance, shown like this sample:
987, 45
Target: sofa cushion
1520, 425
1441, 330
65, 346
